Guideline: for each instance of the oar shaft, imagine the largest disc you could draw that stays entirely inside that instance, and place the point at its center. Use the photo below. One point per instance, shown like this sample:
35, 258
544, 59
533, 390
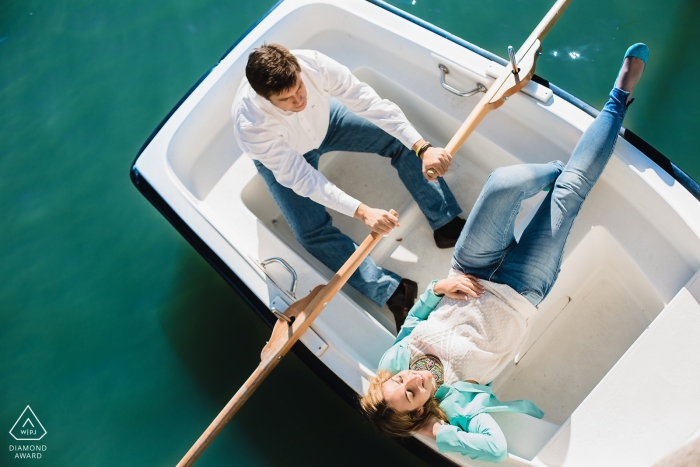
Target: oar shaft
324, 296
280, 343
359, 254
548, 21
227, 413
505, 85
472, 121
347, 269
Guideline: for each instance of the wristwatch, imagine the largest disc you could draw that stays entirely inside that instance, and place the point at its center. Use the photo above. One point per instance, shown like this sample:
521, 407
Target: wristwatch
422, 149
431, 287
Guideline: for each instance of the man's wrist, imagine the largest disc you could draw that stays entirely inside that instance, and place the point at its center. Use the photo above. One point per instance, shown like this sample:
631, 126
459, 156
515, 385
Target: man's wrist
418, 144
360, 212
420, 147
422, 150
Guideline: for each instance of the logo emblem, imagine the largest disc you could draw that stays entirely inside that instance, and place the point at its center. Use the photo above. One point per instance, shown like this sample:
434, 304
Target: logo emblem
28, 427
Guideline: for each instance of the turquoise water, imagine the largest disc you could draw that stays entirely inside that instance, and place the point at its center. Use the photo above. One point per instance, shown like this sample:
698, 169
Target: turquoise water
118, 335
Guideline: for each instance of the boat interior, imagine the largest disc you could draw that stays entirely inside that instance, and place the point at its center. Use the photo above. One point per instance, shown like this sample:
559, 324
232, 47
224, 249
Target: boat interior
627, 257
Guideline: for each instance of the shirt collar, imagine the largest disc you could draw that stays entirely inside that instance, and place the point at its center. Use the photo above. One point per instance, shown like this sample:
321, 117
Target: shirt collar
462, 386
266, 105
442, 392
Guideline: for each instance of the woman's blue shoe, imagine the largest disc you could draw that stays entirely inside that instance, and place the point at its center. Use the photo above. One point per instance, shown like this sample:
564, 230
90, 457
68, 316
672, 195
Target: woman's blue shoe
640, 51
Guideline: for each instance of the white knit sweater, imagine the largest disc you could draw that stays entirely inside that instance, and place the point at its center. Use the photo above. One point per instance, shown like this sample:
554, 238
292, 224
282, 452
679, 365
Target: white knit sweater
475, 338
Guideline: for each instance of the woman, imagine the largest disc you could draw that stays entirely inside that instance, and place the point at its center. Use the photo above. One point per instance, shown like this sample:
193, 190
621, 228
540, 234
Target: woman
466, 328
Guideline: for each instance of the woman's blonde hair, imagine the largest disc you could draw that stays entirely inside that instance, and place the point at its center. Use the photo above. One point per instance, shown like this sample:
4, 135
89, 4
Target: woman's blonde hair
390, 421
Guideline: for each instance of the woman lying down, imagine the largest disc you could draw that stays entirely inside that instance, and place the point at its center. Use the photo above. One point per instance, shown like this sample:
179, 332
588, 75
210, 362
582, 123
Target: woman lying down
466, 328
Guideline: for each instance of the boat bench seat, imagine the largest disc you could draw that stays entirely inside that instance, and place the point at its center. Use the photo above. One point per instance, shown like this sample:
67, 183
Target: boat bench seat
656, 383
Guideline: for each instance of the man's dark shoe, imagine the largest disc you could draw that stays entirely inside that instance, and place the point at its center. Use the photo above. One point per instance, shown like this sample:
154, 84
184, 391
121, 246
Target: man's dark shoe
402, 300
447, 235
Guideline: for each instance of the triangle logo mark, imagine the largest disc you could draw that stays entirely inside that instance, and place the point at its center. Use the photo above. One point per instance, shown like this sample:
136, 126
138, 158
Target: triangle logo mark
28, 427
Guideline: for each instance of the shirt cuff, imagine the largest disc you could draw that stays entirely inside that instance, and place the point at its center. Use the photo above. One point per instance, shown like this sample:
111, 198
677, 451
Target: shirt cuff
348, 205
409, 136
334, 198
447, 439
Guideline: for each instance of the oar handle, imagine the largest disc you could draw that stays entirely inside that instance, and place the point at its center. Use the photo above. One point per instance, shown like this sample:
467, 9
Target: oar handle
284, 336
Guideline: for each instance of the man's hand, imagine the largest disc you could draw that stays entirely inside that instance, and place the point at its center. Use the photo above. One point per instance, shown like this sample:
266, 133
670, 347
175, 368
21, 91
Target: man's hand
461, 287
437, 159
378, 220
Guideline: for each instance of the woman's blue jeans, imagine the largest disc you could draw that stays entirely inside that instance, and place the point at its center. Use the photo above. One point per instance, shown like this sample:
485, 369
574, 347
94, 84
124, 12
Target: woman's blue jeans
487, 247
311, 224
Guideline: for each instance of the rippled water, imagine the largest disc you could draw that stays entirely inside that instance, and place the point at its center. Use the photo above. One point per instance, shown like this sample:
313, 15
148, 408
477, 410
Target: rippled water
119, 336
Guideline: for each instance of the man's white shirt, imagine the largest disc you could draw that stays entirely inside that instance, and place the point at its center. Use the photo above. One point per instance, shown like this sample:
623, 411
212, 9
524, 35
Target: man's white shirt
278, 138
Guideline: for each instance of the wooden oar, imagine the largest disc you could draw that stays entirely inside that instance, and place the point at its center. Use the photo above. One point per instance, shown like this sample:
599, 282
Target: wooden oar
510, 81
285, 333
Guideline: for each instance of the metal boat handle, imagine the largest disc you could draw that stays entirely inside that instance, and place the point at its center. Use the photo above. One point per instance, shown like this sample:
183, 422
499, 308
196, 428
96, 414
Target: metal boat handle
479, 87
281, 316
292, 288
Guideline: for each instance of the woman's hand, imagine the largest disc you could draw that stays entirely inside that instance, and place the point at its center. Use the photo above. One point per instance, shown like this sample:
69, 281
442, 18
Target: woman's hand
431, 428
461, 287
380, 221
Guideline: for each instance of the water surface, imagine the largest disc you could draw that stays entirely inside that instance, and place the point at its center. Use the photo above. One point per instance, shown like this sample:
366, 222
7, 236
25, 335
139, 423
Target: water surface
123, 341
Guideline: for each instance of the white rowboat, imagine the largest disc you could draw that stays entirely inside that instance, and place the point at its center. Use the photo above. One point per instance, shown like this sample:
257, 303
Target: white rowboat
612, 357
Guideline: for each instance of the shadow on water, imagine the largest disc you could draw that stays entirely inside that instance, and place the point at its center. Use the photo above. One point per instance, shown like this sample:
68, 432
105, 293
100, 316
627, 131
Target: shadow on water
208, 325
219, 339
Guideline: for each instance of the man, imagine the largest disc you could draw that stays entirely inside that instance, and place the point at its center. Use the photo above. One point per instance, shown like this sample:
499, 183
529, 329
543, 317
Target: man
285, 119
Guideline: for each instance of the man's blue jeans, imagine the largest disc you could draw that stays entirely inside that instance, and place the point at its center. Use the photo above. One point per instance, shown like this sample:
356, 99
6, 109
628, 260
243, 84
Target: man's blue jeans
311, 224
487, 247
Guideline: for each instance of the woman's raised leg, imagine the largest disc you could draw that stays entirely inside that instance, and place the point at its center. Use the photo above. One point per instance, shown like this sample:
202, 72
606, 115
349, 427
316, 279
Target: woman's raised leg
532, 265
488, 232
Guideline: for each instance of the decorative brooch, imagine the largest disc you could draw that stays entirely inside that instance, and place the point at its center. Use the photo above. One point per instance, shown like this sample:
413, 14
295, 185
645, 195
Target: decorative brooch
430, 363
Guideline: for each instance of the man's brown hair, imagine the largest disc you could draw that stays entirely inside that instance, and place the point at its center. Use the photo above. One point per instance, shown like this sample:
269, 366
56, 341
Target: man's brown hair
271, 70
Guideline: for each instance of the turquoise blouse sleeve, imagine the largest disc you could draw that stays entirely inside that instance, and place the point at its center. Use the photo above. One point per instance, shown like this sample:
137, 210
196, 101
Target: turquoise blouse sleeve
472, 431
421, 310
398, 356
482, 441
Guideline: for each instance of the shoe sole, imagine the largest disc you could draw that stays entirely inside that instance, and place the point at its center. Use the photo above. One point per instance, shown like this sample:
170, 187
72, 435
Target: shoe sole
444, 244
